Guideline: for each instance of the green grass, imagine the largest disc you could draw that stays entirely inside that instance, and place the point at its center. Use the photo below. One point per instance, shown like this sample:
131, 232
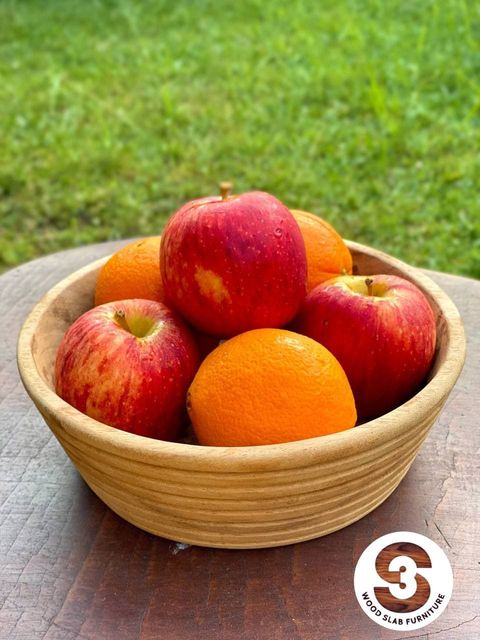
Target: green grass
367, 112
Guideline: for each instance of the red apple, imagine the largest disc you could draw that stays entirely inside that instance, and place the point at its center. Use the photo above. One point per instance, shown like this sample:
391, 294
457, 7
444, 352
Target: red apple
234, 263
128, 364
381, 328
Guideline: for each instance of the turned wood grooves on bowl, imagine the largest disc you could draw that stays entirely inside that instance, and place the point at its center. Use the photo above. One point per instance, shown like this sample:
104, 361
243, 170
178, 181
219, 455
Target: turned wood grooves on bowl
239, 497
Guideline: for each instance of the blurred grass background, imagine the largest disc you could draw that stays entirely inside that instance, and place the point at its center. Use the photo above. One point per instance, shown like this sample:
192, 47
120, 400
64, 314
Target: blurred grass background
113, 113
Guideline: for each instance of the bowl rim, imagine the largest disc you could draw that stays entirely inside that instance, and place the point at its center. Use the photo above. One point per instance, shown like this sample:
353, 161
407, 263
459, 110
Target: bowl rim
303, 453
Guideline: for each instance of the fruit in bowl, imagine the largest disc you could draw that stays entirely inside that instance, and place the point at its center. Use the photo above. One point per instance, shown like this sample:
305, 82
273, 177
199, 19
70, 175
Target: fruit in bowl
327, 254
234, 263
267, 386
128, 364
227, 263
382, 330
131, 272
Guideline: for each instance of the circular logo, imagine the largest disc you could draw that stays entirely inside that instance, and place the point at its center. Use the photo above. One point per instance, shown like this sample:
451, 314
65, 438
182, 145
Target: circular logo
403, 581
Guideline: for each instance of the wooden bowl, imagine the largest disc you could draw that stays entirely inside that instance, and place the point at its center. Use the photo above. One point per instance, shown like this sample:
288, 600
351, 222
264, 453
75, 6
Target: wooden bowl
239, 497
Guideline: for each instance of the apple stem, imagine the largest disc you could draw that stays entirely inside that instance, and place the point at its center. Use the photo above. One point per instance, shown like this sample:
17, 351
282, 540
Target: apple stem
225, 189
369, 283
120, 319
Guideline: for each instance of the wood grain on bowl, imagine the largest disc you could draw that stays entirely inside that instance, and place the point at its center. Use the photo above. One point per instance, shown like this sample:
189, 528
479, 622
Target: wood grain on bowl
246, 496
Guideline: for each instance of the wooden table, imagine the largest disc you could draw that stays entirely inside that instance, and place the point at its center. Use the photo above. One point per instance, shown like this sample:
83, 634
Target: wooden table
70, 568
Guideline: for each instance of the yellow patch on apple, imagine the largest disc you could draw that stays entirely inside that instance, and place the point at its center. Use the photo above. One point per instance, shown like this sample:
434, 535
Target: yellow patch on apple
211, 285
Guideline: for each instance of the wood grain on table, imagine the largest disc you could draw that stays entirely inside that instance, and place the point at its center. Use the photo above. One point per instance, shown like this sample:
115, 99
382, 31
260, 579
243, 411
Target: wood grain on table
70, 568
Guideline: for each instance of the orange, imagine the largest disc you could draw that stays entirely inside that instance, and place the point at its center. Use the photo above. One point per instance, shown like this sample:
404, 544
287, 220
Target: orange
132, 272
267, 386
327, 254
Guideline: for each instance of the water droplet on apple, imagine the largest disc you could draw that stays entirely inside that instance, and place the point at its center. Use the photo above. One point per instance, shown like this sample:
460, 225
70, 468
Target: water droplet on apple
278, 232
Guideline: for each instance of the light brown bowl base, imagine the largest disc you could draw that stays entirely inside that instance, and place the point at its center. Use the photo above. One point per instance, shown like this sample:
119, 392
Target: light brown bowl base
240, 497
